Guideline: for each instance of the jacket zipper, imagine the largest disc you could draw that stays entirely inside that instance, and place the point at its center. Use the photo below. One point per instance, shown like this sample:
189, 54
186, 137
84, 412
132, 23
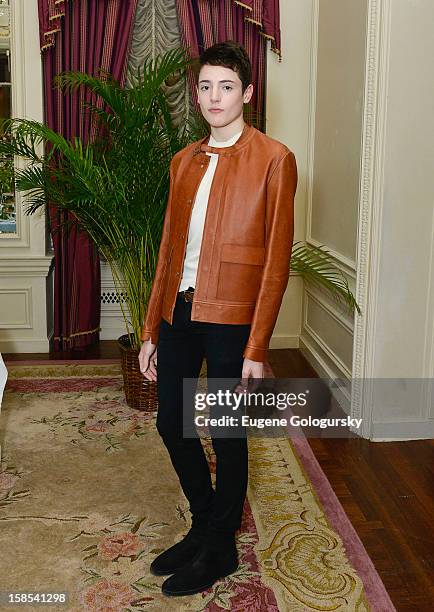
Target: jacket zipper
186, 234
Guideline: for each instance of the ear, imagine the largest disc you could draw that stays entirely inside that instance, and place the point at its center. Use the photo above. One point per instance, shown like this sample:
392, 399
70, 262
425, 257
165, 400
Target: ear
248, 93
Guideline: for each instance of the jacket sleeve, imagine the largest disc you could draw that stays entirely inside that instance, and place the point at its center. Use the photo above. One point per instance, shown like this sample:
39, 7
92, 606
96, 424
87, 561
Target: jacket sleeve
279, 236
152, 320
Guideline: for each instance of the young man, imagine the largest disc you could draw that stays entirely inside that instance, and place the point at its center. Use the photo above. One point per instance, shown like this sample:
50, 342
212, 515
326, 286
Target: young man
222, 270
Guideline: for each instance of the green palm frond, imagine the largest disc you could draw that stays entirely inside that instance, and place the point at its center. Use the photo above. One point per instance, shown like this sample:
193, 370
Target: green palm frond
116, 187
25, 138
106, 88
315, 265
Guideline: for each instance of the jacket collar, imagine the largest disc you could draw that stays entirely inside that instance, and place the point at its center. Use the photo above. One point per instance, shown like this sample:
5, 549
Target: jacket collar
244, 139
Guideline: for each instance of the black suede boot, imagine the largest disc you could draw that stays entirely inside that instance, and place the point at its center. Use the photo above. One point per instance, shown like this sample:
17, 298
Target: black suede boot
175, 557
211, 563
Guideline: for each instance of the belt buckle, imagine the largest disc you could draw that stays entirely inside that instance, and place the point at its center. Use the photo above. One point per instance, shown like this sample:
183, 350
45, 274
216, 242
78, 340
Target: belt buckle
188, 295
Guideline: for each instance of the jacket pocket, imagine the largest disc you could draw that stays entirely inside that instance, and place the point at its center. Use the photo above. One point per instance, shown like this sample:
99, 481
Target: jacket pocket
240, 272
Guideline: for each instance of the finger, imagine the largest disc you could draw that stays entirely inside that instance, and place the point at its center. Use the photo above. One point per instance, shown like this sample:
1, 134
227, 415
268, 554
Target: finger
150, 375
152, 368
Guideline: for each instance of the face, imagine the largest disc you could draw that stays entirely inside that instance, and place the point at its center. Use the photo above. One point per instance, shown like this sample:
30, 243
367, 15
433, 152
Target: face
221, 88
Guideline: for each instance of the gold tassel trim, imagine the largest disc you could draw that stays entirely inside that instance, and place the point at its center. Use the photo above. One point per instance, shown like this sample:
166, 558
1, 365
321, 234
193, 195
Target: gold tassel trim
246, 6
56, 16
90, 331
51, 32
272, 48
258, 23
253, 21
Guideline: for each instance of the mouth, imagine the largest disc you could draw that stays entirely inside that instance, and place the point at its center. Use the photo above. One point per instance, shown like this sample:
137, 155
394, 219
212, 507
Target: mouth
215, 110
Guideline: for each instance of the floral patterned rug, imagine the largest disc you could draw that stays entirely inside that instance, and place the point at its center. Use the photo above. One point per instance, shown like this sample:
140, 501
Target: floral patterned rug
88, 498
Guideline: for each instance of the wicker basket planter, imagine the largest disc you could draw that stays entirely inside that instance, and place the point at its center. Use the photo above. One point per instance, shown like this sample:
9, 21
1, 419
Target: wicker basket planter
139, 392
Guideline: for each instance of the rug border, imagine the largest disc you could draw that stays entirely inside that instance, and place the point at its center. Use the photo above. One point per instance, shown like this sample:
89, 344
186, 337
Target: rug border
12, 363
375, 589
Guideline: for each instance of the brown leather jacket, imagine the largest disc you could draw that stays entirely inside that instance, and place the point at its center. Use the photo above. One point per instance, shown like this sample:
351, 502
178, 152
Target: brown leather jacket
243, 267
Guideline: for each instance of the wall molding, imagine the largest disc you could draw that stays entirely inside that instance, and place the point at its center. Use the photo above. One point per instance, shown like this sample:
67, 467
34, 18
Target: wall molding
27, 102
347, 265
31, 345
332, 310
370, 208
363, 271
429, 330
27, 265
25, 293
333, 313
428, 349
311, 121
402, 430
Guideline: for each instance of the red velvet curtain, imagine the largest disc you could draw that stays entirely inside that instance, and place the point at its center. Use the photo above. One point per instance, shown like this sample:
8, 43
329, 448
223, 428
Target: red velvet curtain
83, 35
250, 22
266, 15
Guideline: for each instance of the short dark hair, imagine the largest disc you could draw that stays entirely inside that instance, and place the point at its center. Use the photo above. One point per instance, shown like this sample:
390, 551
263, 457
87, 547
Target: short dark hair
229, 54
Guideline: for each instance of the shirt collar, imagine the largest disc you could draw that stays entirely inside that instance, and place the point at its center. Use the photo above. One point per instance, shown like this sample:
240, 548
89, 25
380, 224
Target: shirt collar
244, 139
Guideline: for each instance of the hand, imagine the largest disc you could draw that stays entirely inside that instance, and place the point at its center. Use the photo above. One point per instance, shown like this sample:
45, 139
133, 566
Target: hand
251, 369
148, 360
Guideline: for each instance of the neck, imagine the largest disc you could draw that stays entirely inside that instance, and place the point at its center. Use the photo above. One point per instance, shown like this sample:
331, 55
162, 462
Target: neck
224, 133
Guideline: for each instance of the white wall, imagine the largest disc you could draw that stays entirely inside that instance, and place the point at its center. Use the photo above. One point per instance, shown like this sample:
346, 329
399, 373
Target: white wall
25, 274
315, 106
403, 311
353, 98
287, 105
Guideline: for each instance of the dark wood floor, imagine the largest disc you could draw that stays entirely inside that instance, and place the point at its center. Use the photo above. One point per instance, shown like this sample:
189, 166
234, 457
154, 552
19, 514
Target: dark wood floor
386, 489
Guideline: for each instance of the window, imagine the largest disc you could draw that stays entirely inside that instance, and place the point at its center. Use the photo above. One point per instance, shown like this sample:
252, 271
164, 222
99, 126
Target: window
7, 192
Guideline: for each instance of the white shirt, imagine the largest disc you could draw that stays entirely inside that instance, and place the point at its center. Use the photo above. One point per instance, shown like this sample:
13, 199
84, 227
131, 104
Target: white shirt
198, 213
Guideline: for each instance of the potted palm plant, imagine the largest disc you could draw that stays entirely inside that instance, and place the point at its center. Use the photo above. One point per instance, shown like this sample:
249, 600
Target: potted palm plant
117, 186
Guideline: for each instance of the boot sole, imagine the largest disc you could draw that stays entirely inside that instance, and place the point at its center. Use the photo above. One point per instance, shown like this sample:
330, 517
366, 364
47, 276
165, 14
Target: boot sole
202, 587
166, 572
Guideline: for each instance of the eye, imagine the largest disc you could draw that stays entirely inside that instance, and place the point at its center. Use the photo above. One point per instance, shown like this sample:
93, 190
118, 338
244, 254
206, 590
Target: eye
228, 87
204, 87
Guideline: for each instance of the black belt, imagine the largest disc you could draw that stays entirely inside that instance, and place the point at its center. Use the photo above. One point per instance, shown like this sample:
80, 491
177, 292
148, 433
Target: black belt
187, 294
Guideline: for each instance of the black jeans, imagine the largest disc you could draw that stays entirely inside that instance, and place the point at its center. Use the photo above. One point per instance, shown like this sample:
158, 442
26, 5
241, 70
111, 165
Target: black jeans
181, 349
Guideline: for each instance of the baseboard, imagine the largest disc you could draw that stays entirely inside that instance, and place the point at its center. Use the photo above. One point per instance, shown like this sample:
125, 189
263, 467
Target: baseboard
284, 341
25, 346
399, 431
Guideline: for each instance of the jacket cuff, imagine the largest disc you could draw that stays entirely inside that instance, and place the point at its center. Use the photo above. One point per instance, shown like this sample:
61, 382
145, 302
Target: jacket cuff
255, 354
148, 334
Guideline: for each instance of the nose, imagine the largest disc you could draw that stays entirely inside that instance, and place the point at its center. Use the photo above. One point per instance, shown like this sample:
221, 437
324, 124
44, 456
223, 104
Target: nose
215, 94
